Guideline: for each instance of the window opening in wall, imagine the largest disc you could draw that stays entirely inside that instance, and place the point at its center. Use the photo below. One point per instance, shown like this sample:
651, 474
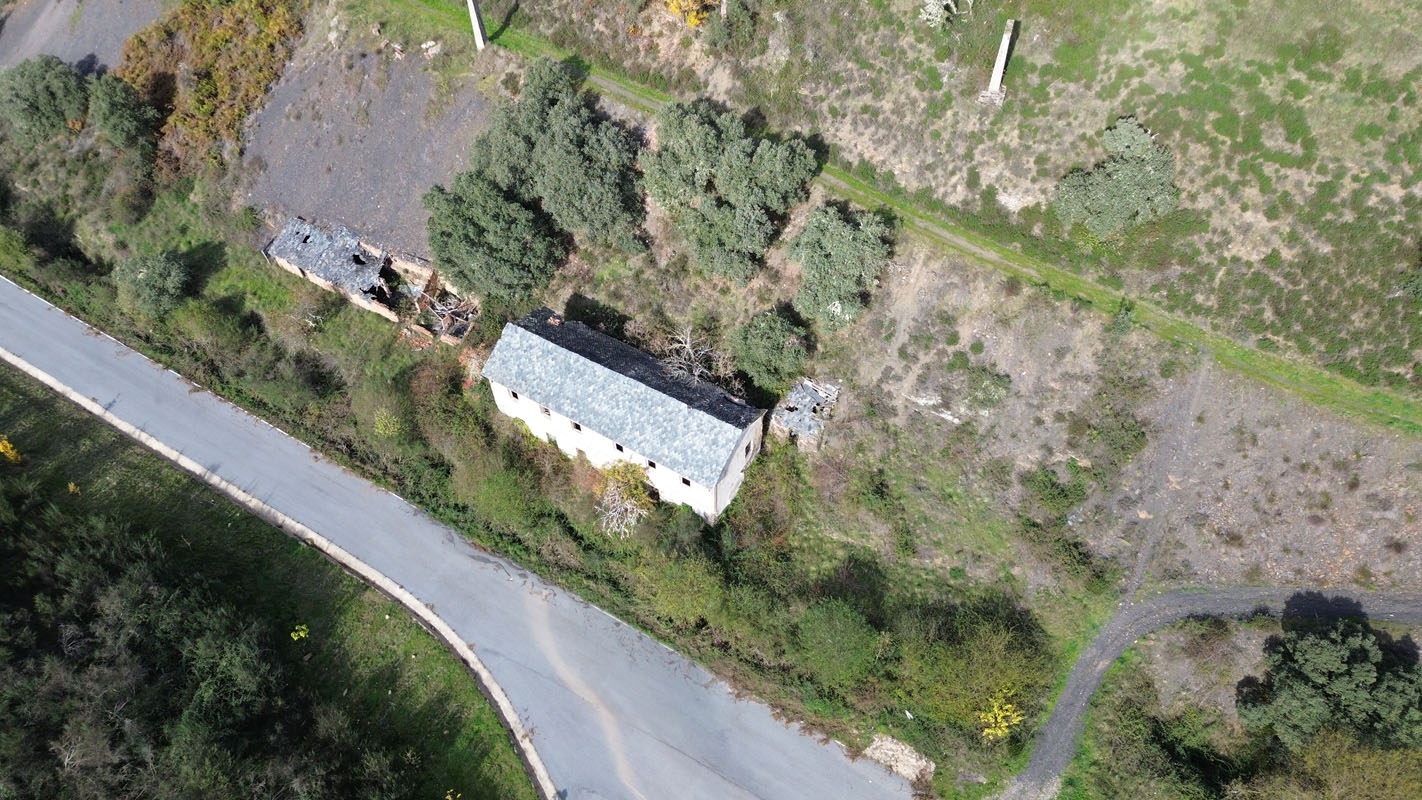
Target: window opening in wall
685, 481
651, 465
747, 449
544, 409
577, 427
513, 394
618, 446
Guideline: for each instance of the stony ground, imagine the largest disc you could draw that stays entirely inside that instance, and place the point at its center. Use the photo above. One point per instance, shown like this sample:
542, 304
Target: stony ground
87, 33
354, 136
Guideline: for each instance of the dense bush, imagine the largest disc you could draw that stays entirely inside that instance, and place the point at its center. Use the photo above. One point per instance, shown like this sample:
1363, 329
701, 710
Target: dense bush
724, 188
1135, 184
121, 675
42, 98
210, 62
770, 350
152, 284
1335, 677
487, 242
836, 644
841, 255
119, 113
549, 149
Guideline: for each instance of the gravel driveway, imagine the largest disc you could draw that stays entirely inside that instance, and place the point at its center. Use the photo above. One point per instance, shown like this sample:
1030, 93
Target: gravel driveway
86, 33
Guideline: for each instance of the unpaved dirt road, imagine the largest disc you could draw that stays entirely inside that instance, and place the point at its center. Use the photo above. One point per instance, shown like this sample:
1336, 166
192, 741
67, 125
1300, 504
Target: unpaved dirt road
86, 33
1056, 742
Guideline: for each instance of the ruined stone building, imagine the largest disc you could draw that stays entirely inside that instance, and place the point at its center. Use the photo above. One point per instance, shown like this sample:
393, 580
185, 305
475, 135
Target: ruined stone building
607, 401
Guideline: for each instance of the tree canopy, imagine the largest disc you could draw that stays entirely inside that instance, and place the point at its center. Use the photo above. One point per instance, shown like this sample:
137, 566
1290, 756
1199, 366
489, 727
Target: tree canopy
841, 254
723, 187
124, 677
770, 350
549, 150
489, 243
1136, 183
42, 97
1336, 677
153, 284
120, 114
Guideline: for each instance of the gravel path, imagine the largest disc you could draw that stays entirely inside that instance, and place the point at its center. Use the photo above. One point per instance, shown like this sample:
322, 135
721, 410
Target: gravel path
1056, 743
86, 33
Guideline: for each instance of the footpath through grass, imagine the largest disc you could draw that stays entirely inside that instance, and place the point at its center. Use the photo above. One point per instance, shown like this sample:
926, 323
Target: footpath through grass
1376, 405
364, 654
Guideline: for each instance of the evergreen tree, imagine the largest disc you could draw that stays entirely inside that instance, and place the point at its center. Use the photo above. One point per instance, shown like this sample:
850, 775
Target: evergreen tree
487, 242
841, 255
42, 97
1135, 184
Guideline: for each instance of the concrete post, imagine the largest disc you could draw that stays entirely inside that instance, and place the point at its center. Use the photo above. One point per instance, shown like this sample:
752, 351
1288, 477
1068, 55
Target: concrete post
995, 94
478, 23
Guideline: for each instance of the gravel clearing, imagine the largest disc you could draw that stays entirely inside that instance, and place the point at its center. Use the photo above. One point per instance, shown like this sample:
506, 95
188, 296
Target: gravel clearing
354, 137
86, 33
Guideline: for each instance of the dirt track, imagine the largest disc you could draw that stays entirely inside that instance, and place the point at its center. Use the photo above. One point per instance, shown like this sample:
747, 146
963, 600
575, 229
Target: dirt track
1056, 742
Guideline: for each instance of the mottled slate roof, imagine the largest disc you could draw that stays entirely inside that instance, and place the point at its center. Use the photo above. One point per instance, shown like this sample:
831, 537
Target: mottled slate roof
610, 387
336, 256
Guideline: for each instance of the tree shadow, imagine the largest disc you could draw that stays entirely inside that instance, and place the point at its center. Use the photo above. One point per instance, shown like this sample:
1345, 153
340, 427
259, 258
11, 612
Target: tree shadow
597, 315
203, 261
1311, 610
860, 581
89, 66
505, 22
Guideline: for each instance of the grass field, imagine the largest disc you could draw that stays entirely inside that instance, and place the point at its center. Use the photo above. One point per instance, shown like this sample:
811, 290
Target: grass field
363, 653
1341, 384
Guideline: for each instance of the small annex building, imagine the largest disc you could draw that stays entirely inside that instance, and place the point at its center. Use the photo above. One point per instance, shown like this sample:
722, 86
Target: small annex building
607, 401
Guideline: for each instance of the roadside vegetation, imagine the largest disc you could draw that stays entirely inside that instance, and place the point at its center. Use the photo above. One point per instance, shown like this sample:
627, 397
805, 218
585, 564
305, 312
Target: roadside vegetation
762, 596
158, 641
1332, 710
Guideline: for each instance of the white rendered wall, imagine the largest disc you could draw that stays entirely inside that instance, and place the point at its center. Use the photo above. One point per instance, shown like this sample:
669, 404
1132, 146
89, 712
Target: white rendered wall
602, 452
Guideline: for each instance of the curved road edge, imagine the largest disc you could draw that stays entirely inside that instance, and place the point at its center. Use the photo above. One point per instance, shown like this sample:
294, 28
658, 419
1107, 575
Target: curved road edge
523, 739
1056, 743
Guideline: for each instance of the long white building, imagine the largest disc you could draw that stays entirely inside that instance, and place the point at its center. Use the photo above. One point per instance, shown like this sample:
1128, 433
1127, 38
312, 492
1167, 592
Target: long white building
607, 401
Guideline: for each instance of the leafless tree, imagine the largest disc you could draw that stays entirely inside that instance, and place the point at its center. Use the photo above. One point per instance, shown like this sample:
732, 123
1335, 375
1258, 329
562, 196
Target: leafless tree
688, 355
620, 510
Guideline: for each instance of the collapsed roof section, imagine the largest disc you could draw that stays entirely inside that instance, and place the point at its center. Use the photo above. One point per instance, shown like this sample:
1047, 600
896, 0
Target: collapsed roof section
337, 258
801, 415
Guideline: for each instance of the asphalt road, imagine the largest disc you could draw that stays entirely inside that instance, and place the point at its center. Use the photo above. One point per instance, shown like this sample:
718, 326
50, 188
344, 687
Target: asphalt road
612, 713
86, 33
1056, 743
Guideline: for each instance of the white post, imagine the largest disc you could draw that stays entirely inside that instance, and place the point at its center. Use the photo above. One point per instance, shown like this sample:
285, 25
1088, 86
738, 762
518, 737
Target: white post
995, 94
478, 23
1001, 65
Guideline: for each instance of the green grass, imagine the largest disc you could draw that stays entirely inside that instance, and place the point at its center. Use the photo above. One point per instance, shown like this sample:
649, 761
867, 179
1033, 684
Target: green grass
363, 653
1294, 374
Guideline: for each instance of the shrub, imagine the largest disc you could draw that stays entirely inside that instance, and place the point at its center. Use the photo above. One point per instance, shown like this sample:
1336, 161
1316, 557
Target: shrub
488, 243
153, 285
211, 61
770, 350
43, 97
1134, 184
1334, 677
723, 187
837, 645
548, 148
118, 112
841, 255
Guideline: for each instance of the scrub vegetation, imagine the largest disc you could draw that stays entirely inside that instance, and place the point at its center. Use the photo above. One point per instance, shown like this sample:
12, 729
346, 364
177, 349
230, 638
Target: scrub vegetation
1323, 709
160, 642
